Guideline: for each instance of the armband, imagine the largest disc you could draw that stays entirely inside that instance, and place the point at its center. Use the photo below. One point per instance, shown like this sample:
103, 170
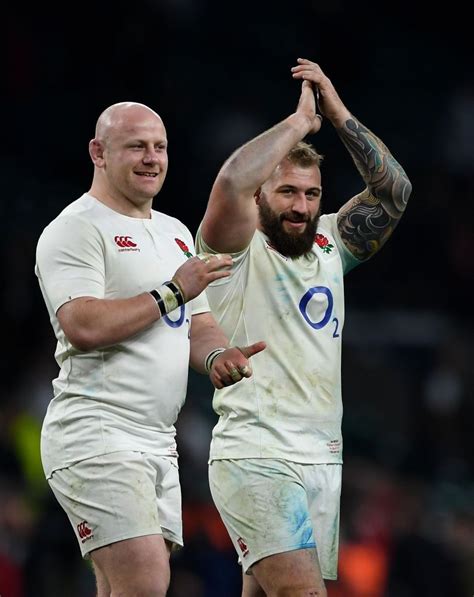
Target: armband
168, 297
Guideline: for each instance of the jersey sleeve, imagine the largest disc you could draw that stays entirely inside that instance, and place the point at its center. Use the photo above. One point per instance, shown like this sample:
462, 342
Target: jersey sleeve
199, 304
70, 261
237, 259
201, 246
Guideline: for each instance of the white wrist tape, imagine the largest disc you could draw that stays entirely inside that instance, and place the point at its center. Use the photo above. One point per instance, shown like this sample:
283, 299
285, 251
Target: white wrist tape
168, 297
211, 357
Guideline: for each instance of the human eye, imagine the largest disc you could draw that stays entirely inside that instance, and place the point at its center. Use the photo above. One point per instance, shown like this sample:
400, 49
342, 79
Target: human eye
313, 194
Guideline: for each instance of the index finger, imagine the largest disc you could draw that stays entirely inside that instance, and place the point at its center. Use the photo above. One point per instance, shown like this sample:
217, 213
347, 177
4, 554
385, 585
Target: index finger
249, 351
217, 260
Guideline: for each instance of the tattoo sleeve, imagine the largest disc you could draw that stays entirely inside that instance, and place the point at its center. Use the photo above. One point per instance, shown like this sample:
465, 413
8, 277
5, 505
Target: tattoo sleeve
368, 219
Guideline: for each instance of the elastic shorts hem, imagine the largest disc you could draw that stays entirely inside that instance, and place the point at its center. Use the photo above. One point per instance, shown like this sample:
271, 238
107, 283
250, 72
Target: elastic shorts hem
247, 569
177, 543
246, 564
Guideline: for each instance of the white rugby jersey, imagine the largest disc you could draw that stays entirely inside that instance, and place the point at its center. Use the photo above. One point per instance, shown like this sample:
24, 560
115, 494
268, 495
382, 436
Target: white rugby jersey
291, 408
126, 396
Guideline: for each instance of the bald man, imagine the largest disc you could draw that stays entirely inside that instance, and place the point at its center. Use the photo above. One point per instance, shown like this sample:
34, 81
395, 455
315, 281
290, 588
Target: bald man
124, 293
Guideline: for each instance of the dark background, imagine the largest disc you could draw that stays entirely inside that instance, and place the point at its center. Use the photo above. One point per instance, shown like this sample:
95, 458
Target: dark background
219, 73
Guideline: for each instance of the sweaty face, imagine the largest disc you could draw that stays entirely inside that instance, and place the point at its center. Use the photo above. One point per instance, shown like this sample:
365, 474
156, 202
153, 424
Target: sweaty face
289, 208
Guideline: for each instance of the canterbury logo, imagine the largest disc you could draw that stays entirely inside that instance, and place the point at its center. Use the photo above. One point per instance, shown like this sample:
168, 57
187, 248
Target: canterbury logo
243, 547
124, 241
84, 531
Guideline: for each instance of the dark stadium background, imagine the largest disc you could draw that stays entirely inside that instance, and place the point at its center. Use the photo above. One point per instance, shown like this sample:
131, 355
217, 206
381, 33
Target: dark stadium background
219, 73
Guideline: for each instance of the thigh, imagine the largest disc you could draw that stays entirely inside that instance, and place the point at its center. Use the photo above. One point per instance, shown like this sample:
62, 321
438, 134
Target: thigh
250, 587
138, 566
264, 507
295, 573
102, 584
120, 496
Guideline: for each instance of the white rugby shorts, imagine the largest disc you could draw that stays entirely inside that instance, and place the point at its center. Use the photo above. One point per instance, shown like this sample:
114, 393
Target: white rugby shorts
119, 496
273, 506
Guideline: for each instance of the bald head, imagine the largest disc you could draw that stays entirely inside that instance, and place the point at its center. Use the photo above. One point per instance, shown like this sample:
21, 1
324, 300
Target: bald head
130, 157
123, 116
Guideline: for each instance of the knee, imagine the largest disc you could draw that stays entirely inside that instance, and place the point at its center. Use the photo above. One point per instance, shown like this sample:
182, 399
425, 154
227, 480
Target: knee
141, 587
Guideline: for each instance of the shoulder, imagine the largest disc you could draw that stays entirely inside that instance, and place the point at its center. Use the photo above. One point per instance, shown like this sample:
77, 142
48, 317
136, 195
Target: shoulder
327, 222
74, 229
72, 216
170, 224
84, 207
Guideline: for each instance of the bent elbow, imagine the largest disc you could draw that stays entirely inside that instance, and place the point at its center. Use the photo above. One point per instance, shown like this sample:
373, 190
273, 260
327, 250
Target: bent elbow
83, 340
408, 188
80, 323
227, 181
403, 195
396, 201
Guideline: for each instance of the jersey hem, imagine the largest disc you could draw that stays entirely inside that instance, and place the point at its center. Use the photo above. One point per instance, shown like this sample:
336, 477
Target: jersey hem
293, 458
50, 470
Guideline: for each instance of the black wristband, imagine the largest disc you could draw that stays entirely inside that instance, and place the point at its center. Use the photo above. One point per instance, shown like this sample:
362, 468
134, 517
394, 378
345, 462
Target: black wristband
159, 301
176, 291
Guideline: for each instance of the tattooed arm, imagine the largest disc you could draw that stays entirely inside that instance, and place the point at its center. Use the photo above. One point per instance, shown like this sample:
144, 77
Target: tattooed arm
367, 220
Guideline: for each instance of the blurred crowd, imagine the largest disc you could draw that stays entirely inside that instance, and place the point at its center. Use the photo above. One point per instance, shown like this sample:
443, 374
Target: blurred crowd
407, 512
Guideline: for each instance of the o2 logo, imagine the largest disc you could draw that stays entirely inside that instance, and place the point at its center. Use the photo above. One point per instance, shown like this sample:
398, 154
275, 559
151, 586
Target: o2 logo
326, 318
175, 323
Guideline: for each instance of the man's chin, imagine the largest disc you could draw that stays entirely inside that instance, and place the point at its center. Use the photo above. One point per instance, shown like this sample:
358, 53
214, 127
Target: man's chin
293, 228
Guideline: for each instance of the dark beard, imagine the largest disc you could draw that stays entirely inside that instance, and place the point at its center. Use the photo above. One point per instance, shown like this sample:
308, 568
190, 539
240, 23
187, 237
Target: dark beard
286, 243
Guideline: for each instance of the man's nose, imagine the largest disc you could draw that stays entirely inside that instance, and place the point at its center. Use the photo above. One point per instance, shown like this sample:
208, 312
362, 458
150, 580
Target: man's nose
151, 157
300, 203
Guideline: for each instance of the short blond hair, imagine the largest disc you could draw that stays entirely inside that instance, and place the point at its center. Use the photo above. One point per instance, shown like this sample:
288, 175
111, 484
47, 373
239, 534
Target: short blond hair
305, 155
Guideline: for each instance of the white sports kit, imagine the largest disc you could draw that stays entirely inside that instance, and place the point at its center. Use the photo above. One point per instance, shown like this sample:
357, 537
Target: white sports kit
291, 408
119, 398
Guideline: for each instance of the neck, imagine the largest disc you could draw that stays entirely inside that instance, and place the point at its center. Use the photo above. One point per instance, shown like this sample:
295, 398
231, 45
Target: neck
120, 203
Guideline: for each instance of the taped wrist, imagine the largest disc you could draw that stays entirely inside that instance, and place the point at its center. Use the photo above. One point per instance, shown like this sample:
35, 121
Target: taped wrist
168, 297
211, 357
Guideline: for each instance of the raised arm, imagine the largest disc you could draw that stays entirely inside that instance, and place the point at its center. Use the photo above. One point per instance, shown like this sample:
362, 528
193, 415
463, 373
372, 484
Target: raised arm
231, 215
367, 220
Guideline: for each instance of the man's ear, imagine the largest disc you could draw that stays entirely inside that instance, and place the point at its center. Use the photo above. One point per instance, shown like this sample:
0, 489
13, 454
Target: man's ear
257, 194
96, 151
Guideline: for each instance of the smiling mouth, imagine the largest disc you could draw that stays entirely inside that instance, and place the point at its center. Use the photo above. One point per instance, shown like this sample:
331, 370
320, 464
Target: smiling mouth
295, 222
147, 174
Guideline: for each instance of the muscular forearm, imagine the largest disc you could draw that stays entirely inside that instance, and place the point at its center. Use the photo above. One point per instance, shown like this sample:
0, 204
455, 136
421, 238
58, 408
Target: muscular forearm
91, 323
368, 220
252, 164
205, 336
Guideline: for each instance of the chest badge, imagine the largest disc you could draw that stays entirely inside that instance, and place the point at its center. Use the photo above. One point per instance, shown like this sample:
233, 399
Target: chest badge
323, 242
184, 247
